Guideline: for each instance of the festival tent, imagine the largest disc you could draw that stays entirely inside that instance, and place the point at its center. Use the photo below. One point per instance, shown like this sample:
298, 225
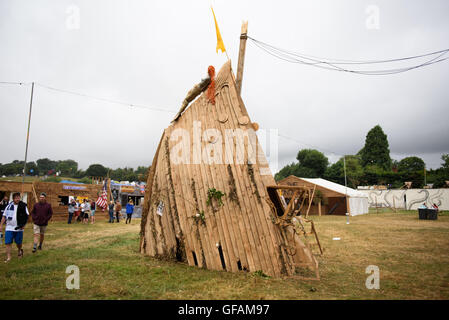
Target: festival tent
337, 199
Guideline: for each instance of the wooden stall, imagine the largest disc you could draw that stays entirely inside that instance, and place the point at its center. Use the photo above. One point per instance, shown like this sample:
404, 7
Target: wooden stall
57, 195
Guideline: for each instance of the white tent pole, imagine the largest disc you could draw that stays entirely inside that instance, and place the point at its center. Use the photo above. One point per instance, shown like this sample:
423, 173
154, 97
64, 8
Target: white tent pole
346, 190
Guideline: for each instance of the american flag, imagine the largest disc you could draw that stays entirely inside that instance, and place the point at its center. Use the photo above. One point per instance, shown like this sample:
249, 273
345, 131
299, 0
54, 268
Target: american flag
102, 200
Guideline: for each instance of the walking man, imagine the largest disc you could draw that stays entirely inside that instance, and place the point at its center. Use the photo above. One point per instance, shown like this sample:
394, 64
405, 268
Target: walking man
41, 213
15, 216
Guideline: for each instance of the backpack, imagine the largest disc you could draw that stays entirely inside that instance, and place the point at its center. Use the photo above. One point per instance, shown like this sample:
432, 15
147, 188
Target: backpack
22, 217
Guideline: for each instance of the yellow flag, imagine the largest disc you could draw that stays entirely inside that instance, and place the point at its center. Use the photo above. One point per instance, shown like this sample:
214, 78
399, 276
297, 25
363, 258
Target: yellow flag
220, 44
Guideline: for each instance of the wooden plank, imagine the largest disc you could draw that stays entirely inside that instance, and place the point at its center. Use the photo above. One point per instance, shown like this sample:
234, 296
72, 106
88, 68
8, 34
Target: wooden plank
237, 110
263, 212
187, 195
181, 205
249, 229
211, 238
310, 202
219, 177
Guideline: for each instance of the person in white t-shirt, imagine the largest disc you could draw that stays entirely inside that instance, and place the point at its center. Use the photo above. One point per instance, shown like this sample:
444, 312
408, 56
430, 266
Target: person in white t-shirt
13, 217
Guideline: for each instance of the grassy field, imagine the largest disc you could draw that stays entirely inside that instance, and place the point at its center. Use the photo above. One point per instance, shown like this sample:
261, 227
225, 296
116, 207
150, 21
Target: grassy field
412, 254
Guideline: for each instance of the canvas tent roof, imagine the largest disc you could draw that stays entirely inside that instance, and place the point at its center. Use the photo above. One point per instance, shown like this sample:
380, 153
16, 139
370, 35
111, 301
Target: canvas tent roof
335, 187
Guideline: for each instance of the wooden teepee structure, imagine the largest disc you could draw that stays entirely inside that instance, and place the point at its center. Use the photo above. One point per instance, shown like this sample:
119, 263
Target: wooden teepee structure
217, 209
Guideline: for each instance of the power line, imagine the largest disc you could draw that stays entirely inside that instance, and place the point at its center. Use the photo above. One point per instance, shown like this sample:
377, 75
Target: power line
90, 96
15, 83
336, 65
310, 145
105, 99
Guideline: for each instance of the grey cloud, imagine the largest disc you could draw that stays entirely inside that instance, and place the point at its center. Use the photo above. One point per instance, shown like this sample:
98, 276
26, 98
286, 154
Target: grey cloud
152, 52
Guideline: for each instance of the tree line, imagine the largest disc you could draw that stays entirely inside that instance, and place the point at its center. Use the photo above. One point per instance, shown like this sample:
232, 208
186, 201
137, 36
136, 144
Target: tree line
69, 168
372, 165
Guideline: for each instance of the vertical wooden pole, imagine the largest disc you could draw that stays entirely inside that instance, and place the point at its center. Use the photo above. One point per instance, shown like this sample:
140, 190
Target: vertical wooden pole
243, 37
310, 201
319, 208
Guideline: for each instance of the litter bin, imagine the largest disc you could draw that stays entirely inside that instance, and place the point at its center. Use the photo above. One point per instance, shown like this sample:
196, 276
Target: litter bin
428, 214
422, 214
432, 214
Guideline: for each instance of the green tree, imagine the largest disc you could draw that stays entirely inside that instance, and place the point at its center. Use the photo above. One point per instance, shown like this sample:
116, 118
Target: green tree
412, 169
46, 165
376, 150
311, 164
445, 164
67, 167
296, 170
442, 173
96, 170
314, 160
13, 168
411, 164
354, 171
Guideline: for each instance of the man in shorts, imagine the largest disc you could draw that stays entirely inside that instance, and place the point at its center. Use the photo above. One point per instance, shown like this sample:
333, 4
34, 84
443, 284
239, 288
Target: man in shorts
13, 232
41, 213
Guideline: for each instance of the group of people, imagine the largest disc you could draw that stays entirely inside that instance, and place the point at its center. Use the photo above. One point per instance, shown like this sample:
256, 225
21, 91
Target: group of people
15, 216
83, 211
87, 209
117, 208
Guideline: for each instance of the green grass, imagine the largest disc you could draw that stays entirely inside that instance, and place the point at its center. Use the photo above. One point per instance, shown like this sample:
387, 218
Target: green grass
412, 254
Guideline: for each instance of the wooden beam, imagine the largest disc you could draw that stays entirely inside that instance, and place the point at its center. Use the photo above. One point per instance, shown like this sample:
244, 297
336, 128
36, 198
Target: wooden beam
290, 204
310, 201
241, 62
288, 187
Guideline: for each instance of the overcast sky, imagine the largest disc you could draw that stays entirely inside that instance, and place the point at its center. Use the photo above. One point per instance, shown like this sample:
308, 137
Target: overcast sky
152, 52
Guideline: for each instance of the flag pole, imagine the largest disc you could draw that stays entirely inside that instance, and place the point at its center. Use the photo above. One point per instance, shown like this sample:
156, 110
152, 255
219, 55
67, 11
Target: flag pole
28, 136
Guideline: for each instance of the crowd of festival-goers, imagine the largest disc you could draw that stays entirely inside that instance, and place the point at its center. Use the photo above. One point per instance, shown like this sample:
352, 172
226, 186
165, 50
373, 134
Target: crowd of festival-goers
14, 215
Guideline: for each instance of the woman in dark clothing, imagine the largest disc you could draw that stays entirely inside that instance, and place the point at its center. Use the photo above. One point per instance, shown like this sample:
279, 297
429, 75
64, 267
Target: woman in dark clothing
111, 212
129, 211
